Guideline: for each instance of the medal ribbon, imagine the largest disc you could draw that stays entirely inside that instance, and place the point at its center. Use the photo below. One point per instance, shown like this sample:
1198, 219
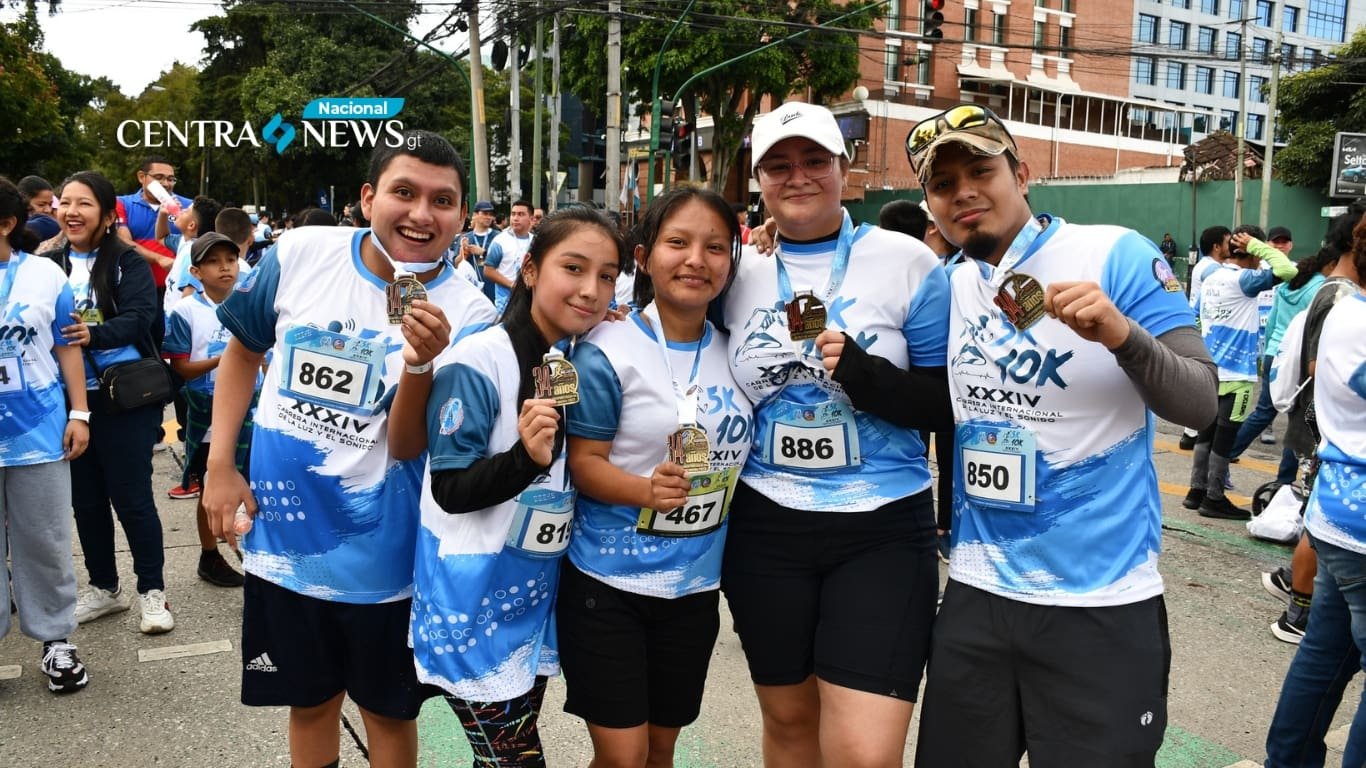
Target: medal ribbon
15, 260
402, 268
843, 245
1019, 248
685, 397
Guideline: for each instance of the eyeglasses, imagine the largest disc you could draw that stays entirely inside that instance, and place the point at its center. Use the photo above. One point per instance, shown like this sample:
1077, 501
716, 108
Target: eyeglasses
959, 118
780, 171
164, 178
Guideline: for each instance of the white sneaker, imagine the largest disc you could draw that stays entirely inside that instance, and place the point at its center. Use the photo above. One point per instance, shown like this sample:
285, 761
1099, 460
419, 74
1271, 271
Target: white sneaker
156, 612
95, 602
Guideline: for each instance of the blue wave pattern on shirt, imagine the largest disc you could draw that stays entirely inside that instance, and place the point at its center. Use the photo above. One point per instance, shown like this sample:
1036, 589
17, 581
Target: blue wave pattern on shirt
32, 423
296, 554
1233, 349
1036, 549
483, 615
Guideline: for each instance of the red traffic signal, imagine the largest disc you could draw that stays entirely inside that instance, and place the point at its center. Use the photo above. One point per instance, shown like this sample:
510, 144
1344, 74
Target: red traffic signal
933, 19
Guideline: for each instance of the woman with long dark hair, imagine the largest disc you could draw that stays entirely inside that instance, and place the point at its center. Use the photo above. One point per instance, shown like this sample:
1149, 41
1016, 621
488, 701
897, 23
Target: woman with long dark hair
116, 309
497, 507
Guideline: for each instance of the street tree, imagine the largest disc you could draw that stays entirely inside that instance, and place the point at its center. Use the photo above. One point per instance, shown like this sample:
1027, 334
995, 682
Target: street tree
822, 63
1315, 105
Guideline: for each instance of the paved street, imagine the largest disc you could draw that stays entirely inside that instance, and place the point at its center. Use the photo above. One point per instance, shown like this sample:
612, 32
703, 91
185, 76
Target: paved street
184, 710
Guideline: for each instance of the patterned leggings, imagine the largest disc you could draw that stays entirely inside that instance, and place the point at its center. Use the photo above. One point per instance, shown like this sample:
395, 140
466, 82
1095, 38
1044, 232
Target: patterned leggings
504, 734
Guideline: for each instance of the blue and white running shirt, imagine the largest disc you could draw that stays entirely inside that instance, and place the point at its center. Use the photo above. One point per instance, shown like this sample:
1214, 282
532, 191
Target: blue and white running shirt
195, 333
85, 297
1055, 494
485, 583
35, 304
337, 516
1337, 508
627, 398
1230, 318
505, 254
812, 450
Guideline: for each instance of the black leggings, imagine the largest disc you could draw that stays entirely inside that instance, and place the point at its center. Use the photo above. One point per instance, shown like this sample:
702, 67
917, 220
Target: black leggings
1223, 430
944, 449
504, 734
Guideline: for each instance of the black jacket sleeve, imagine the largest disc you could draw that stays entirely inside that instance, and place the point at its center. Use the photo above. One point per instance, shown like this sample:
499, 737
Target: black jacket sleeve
917, 398
135, 296
486, 482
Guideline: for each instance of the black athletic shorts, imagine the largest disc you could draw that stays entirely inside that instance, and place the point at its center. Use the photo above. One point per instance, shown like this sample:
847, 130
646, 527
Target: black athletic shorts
299, 651
848, 596
630, 659
1073, 686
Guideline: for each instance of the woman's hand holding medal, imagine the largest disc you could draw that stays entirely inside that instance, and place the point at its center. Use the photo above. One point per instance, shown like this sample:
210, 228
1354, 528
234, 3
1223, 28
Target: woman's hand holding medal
426, 332
1084, 307
669, 486
536, 427
78, 333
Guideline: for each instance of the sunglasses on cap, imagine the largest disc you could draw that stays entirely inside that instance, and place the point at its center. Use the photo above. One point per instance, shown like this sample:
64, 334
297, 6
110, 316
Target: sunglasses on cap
988, 133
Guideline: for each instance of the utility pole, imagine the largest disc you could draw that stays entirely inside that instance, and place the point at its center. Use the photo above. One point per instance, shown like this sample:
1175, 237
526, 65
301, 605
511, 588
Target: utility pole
536, 176
1240, 126
613, 187
479, 133
515, 105
553, 153
1264, 213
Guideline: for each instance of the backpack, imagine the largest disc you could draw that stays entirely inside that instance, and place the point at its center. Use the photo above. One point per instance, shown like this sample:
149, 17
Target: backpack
1287, 378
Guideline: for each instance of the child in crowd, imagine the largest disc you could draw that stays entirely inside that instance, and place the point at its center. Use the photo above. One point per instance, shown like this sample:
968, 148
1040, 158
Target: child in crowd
195, 341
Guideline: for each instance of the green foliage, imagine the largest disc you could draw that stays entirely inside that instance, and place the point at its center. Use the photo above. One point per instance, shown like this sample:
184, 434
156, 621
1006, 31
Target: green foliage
825, 63
42, 101
1315, 105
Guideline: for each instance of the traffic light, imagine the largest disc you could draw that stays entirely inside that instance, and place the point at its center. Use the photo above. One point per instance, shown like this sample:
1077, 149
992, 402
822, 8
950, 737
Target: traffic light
666, 116
933, 20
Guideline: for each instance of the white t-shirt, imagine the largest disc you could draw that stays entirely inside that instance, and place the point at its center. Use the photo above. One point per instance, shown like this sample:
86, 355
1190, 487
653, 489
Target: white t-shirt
1335, 512
32, 399
505, 254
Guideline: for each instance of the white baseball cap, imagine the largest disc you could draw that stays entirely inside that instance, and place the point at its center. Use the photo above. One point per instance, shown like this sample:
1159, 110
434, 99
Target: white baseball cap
795, 118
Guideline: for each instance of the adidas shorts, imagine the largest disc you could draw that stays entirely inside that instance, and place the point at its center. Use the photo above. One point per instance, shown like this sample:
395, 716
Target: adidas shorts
299, 651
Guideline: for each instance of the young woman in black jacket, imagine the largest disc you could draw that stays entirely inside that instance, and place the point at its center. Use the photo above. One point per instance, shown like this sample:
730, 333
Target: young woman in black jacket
116, 312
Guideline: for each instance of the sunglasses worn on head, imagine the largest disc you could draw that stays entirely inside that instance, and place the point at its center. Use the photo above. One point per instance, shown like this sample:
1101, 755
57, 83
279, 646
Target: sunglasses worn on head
960, 117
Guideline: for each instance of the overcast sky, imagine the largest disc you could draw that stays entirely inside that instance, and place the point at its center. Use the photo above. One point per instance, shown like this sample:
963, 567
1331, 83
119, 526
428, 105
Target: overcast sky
132, 41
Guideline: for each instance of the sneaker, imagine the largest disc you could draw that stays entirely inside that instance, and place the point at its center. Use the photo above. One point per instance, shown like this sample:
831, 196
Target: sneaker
95, 602
1194, 498
64, 670
1277, 583
215, 570
156, 613
1223, 509
183, 492
1288, 631
1268, 438
1187, 442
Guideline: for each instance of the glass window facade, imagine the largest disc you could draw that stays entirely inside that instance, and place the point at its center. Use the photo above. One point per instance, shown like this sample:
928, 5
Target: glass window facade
1231, 84
1204, 80
1210, 7
1147, 29
1233, 45
1326, 19
1178, 35
1176, 75
1204, 39
1145, 71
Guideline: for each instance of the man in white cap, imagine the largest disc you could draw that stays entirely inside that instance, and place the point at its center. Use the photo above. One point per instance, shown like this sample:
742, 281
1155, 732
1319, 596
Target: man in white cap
1063, 341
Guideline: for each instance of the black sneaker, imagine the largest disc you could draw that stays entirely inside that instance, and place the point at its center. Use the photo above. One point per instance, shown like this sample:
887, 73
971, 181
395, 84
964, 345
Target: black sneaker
1187, 442
215, 570
1223, 509
64, 670
1194, 498
1289, 631
1277, 583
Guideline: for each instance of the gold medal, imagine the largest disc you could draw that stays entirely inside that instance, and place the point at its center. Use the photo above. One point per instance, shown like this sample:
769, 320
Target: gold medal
690, 449
1021, 300
805, 316
556, 380
400, 294
92, 316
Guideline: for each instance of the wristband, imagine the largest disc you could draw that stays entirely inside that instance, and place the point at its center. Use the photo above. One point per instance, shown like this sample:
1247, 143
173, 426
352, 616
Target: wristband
418, 370
75, 415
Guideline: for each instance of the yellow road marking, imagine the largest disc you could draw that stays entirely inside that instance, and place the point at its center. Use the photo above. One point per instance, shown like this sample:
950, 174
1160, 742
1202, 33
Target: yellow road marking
1246, 462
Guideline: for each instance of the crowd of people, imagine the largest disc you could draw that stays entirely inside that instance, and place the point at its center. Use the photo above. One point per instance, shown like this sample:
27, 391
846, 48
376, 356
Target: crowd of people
456, 460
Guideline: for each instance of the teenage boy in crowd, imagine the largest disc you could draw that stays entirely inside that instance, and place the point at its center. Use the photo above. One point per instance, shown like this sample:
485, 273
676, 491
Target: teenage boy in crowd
329, 558
504, 260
